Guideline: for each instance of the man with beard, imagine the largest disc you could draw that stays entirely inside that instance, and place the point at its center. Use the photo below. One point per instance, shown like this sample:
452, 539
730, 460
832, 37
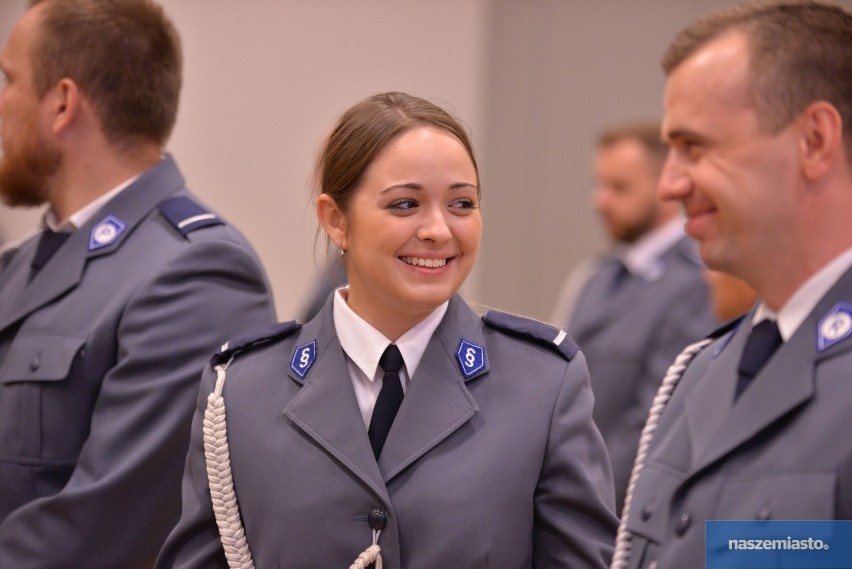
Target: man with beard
109, 314
641, 304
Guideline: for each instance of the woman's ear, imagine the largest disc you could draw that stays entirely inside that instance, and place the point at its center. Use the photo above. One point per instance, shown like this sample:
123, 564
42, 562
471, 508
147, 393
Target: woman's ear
333, 220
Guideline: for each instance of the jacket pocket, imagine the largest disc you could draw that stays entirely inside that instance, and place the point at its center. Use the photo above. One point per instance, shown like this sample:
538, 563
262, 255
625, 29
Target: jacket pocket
42, 357
782, 496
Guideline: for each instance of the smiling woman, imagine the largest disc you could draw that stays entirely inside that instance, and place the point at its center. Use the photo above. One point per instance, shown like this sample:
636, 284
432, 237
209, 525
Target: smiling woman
412, 428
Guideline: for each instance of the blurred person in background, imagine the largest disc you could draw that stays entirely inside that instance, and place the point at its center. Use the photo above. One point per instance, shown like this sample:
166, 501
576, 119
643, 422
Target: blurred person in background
633, 310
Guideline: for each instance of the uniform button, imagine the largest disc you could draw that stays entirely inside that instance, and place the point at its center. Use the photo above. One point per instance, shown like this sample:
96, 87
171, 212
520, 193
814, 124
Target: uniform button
35, 364
377, 519
683, 523
646, 513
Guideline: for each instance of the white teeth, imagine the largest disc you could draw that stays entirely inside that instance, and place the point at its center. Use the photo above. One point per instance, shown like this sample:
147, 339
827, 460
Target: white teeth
431, 263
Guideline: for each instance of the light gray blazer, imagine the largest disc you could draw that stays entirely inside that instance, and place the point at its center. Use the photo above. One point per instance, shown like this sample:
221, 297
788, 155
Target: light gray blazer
630, 336
100, 356
782, 452
503, 468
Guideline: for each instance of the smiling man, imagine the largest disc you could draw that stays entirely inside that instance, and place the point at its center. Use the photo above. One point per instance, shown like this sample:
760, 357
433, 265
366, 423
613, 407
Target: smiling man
758, 108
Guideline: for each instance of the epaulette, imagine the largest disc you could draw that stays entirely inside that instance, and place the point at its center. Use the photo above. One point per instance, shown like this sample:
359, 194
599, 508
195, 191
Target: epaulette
539, 332
186, 215
722, 331
254, 339
725, 328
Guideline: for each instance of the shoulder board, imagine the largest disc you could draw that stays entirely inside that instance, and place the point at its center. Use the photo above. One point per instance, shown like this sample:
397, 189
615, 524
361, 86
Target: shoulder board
539, 332
186, 215
254, 339
725, 328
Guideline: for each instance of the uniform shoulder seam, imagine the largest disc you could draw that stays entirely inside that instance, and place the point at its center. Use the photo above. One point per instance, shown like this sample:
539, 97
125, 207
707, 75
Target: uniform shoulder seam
534, 331
254, 339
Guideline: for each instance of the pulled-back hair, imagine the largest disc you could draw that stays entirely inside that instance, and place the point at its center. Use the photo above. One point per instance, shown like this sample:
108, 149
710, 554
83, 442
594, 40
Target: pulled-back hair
124, 55
800, 52
367, 128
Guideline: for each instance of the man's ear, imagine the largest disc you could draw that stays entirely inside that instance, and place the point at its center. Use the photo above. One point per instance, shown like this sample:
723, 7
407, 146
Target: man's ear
333, 220
822, 139
62, 105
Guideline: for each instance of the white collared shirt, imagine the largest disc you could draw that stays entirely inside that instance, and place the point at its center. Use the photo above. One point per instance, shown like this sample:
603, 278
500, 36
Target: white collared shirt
363, 346
84, 214
803, 301
641, 258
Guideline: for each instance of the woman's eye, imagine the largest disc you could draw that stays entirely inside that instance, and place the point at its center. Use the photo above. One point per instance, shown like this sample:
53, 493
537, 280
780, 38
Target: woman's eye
463, 204
404, 204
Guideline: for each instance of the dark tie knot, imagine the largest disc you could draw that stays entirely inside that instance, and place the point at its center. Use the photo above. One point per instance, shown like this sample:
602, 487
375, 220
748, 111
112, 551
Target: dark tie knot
48, 244
391, 360
761, 344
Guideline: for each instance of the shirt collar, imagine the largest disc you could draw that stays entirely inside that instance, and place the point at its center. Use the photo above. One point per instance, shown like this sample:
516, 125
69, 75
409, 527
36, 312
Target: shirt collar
364, 344
803, 301
80, 217
641, 258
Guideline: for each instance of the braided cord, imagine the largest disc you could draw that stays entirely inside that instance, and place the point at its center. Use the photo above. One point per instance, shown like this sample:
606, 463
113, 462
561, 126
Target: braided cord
370, 555
661, 399
220, 480
222, 495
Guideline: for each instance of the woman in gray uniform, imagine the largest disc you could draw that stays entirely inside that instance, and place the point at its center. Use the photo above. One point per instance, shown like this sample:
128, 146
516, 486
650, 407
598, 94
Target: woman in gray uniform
397, 427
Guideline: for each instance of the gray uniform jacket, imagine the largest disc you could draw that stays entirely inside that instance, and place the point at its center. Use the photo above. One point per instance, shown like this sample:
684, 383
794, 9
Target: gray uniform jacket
782, 452
503, 468
630, 333
100, 355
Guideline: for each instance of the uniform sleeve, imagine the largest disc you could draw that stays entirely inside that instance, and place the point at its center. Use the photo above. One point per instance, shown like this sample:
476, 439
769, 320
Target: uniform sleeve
124, 492
574, 502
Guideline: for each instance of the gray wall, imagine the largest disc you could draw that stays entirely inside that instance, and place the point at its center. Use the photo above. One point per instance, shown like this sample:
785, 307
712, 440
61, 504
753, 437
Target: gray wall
534, 80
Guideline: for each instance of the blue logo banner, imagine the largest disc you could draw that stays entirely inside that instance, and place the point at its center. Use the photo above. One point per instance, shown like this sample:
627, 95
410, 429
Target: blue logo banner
778, 544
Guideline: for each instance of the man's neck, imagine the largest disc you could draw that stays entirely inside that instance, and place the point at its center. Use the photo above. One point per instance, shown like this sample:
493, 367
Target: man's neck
82, 181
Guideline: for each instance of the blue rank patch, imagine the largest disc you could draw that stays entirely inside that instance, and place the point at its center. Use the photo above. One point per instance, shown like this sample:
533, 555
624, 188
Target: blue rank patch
303, 358
471, 358
834, 326
106, 232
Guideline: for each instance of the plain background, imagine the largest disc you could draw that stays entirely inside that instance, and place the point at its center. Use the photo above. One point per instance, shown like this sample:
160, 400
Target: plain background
534, 80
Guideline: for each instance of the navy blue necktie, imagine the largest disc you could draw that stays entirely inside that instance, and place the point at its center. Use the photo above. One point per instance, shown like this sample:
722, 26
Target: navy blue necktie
761, 344
390, 398
49, 242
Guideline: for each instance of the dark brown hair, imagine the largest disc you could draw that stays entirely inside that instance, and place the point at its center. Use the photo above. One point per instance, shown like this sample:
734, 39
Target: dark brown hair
801, 52
646, 133
124, 55
368, 127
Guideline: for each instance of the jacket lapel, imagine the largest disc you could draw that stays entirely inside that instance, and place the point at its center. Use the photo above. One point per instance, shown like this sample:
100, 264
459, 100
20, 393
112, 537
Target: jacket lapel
710, 403
787, 381
325, 408
437, 402
67, 267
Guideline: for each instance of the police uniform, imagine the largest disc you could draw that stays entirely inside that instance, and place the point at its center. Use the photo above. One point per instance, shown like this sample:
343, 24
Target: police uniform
493, 459
782, 452
101, 352
630, 331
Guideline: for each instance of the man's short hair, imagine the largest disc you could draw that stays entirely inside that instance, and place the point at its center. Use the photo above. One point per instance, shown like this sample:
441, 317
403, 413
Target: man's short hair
124, 55
647, 133
801, 52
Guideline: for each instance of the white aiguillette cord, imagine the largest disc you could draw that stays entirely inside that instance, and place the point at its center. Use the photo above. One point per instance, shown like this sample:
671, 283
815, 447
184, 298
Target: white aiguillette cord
670, 381
222, 495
